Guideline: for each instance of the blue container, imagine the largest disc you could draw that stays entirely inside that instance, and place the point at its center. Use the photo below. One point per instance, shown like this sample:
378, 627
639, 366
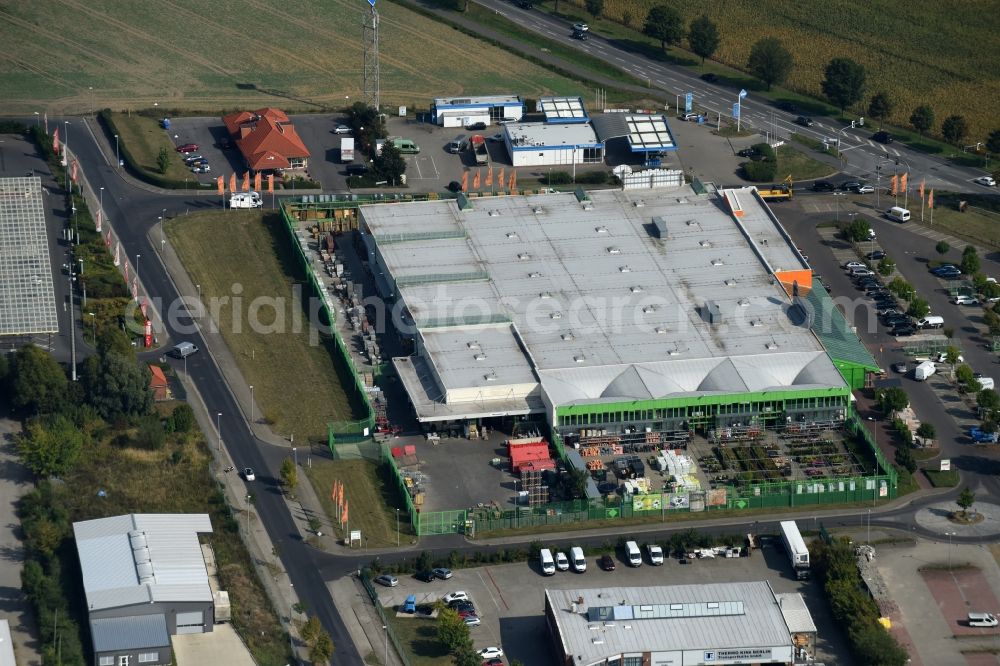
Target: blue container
166, 123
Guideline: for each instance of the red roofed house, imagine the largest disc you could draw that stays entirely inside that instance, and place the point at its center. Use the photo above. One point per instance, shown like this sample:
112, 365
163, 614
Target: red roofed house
267, 139
158, 383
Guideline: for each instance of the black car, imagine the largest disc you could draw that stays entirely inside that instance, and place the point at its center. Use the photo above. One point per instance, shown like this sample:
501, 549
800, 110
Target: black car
891, 321
607, 562
708, 77
356, 169
850, 186
876, 255
887, 309
476, 126
524, 4
823, 186
748, 152
425, 576
882, 137
805, 121
903, 330
463, 606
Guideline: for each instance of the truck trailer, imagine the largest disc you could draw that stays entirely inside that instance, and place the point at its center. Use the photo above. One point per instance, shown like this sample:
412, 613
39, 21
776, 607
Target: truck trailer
478, 144
347, 149
798, 554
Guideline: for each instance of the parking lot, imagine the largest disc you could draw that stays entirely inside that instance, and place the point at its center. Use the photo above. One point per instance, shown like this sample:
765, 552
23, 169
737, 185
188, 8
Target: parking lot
510, 597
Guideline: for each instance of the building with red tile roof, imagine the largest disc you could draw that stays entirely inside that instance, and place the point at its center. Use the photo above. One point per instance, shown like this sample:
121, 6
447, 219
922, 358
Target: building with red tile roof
158, 383
267, 139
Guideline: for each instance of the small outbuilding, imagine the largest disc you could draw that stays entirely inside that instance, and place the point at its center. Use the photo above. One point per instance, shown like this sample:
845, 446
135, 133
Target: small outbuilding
463, 111
158, 383
553, 144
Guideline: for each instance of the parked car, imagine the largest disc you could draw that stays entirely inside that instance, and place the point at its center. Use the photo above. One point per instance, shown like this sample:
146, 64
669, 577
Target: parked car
202, 168
248, 474
882, 137
607, 563
903, 330
187, 148
562, 562
442, 573
849, 186
988, 181
876, 255
425, 576
942, 357
965, 300
979, 436
490, 652
387, 580
476, 126
691, 117
887, 309
341, 129
901, 367
493, 662
805, 121
787, 106
524, 4
892, 321
193, 158
748, 152
460, 606
709, 77
823, 186
456, 596
865, 189
472, 621
854, 264
466, 612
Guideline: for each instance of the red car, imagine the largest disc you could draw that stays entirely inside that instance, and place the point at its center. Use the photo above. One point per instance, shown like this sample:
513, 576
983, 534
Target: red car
188, 148
607, 563
493, 662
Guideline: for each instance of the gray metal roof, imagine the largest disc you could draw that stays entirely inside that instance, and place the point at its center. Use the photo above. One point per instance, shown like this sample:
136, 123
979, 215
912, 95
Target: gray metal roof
484, 100
142, 558
796, 613
27, 295
667, 618
528, 136
133, 632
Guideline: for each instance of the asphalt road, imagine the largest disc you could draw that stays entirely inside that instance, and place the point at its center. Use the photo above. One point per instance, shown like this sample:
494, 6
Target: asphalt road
862, 154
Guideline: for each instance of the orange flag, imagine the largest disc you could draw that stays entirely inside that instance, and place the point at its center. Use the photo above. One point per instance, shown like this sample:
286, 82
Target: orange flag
930, 199
465, 181
500, 180
489, 176
340, 492
513, 181
921, 190
333, 491
892, 186
232, 182
343, 516
55, 141
221, 182
475, 180
256, 181
72, 172
270, 182
246, 181
902, 182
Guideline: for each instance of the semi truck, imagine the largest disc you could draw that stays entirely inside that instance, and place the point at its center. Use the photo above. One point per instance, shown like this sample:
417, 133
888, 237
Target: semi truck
795, 546
347, 149
478, 144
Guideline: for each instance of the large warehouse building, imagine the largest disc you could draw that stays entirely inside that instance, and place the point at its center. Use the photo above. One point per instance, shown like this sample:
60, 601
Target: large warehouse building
632, 311
679, 625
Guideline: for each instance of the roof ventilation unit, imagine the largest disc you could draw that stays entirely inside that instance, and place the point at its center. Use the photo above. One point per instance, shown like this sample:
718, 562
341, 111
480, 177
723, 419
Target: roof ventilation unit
649, 309
771, 345
579, 358
711, 313
731, 282
537, 210
545, 295
614, 250
492, 377
692, 223
756, 322
660, 227
716, 262
494, 213
659, 330
601, 229
639, 203
743, 302
624, 269
512, 235
480, 357
636, 289
674, 352
556, 315
705, 243
524, 256
473, 345
568, 336
534, 274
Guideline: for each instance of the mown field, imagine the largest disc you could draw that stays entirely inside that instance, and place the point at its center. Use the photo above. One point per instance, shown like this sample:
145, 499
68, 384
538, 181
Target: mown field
68, 55
939, 53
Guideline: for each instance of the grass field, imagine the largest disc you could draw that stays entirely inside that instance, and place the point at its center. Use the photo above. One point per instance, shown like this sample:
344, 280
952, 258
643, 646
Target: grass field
939, 479
926, 52
68, 55
372, 502
800, 165
246, 255
419, 636
976, 225
144, 138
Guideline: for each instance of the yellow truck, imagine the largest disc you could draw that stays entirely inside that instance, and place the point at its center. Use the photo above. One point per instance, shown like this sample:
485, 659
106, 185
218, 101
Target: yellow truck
779, 192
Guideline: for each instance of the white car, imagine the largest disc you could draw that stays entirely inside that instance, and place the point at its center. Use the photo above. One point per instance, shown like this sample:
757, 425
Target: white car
854, 264
865, 189
942, 357
248, 474
965, 300
341, 129
472, 620
985, 180
491, 653
456, 596
562, 562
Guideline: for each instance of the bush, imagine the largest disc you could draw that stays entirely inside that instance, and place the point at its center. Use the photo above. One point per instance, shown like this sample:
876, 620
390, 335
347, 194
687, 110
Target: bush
901, 288
559, 178
151, 435
761, 171
593, 177
183, 418
857, 230
919, 308
942, 247
886, 266
926, 431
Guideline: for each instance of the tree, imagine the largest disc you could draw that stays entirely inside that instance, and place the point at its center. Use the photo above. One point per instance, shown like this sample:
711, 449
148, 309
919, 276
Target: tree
964, 375
289, 475
38, 383
769, 61
922, 119
572, 484
880, 107
366, 124
919, 308
467, 656
926, 430
970, 261
117, 386
183, 417
451, 629
844, 82
857, 231
892, 400
151, 435
942, 247
663, 23
886, 266
990, 290
954, 129
50, 445
389, 165
993, 141
988, 401
965, 500
163, 160
703, 37
322, 648
595, 7
901, 288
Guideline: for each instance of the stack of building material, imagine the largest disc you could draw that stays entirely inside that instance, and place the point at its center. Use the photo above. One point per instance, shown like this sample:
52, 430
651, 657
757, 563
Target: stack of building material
529, 453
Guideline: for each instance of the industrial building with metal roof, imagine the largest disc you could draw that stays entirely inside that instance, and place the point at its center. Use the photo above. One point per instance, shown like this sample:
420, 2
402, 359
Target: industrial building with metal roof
462, 111
552, 143
607, 307
27, 294
145, 580
680, 625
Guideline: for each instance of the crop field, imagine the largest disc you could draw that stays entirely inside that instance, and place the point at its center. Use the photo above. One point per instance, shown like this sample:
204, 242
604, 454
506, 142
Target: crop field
938, 53
69, 55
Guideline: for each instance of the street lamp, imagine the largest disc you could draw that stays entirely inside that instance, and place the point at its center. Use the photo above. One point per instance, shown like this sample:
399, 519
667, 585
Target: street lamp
163, 216
93, 318
249, 497
118, 160
386, 628
837, 196
251, 404
100, 206
950, 535
37, 119
295, 455
218, 428
397, 528
137, 266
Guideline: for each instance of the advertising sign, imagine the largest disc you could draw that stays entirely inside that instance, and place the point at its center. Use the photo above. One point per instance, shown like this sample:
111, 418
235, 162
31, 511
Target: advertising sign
646, 502
688, 102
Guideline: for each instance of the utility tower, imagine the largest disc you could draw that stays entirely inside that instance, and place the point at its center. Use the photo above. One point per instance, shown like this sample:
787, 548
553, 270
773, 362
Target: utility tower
369, 21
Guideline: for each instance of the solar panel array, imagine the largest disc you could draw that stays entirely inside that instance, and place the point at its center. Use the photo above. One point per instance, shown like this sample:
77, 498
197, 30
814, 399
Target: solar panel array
27, 295
649, 133
565, 109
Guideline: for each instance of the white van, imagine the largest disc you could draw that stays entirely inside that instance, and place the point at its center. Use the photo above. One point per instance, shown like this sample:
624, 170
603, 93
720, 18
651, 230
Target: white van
183, 350
898, 214
576, 558
548, 564
245, 200
986, 383
982, 620
634, 554
931, 321
562, 562
655, 554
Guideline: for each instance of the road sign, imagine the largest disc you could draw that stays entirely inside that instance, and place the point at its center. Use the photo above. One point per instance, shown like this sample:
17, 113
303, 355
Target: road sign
736, 110
688, 102
743, 93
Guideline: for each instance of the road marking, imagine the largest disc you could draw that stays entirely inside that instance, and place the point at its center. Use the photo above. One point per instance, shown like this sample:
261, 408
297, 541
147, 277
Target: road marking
872, 144
495, 586
894, 152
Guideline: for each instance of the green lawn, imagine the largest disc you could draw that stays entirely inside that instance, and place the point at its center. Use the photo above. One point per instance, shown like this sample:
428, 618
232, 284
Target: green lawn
418, 635
800, 165
244, 258
939, 479
976, 225
143, 138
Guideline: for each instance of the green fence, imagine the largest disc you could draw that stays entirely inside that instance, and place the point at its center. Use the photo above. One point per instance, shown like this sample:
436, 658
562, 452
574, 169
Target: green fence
401, 486
393, 638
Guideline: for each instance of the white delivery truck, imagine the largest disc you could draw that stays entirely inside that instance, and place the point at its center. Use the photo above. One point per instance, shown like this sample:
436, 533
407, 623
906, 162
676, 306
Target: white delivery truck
347, 149
576, 558
246, 200
924, 370
634, 554
548, 564
655, 554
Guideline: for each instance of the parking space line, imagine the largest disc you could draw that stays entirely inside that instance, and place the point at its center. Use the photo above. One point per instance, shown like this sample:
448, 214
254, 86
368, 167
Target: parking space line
497, 588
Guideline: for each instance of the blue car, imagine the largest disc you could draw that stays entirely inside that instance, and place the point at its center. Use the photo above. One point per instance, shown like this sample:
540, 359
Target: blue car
979, 436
